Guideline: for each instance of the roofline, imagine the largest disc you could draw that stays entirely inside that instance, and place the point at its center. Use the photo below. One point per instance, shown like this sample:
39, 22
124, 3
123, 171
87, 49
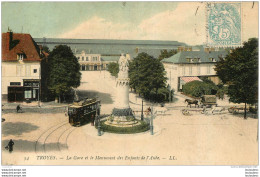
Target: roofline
66, 43
109, 41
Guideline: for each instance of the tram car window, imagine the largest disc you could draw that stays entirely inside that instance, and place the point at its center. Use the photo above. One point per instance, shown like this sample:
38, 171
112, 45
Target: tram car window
81, 112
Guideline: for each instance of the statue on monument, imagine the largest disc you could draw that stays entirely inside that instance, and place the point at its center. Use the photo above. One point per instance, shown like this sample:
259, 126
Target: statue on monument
123, 63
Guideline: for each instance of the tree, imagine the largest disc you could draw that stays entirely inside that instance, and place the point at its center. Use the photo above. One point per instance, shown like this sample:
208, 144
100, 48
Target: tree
63, 71
198, 88
46, 49
146, 74
239, 70
166, 54
113, 68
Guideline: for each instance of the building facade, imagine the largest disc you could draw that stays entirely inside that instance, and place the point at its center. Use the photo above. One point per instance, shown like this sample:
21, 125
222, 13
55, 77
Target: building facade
94, 62
21, 59
186, 66
89, 62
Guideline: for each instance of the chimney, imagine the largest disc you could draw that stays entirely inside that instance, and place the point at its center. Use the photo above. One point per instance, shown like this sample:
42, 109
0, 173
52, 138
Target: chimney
9, 39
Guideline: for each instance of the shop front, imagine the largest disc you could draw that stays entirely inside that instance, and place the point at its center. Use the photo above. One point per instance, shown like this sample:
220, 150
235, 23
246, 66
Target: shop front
31, 89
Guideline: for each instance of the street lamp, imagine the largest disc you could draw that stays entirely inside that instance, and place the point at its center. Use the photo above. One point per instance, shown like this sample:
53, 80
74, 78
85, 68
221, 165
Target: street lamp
39, 90
98, 120
142, 114
99, 127
151, 122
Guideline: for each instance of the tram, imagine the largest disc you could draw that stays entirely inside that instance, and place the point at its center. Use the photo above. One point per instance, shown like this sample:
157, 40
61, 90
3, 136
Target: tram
83, 112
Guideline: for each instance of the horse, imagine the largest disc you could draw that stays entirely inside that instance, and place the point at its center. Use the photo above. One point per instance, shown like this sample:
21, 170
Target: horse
190, 102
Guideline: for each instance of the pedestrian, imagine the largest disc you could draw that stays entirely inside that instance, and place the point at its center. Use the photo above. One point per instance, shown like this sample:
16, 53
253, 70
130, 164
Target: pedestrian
10, 146
66, 110
92, 120
18, 108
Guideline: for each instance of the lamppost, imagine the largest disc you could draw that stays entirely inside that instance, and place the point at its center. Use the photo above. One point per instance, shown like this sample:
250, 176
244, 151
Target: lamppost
39, 102
151, 122
99, 127
98, 119
142, 114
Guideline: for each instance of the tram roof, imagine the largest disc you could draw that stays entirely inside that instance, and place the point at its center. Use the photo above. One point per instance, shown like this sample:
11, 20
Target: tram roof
83, 103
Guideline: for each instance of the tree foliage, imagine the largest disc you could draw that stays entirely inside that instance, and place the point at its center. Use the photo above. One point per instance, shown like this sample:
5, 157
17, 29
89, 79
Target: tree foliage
113, 68
46, 49
198, 88
147, 75
63, 71
239, 70
166, 54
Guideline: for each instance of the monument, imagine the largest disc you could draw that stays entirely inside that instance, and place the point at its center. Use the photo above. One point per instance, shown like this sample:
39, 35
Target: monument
122, 114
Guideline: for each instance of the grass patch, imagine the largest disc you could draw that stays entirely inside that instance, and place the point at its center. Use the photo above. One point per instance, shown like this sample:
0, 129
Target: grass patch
125, 130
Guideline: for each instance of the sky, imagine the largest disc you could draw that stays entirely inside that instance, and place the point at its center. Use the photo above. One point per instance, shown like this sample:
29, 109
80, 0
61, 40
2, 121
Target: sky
173, 21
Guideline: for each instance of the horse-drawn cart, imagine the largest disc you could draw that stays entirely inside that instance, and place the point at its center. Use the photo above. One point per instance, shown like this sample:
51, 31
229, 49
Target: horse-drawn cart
187, 112
209, 100
236, 109
206, 111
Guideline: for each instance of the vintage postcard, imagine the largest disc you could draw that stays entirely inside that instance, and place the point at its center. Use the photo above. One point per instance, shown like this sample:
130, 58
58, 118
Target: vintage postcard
129, 83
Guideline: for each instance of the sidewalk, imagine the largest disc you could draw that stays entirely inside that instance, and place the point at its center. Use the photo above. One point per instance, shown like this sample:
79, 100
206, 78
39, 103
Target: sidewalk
34, 104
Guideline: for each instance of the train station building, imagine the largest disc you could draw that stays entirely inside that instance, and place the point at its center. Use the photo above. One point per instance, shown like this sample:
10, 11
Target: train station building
94, 62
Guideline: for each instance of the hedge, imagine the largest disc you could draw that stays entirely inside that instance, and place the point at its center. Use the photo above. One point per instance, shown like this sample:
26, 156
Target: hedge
198, 88
144, 126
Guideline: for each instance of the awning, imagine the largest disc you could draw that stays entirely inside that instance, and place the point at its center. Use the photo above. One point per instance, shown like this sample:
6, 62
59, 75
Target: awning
190, 79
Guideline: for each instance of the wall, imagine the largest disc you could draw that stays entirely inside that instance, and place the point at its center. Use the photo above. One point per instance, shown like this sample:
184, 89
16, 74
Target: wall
173, 71
17, 71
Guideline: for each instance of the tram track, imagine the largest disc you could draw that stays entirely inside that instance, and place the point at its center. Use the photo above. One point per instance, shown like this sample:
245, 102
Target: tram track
66, 139
53, 136
51, 133
37, 141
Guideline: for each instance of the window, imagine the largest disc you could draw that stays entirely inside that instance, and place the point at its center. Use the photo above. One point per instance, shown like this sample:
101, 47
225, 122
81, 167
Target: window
28, 93
212, 59
82, 58
20, 56
86, 58
18, 70
190, 70
15, 83
198, 69
34, 70
183, 70
78, 58
28, 70
191, 60
188, 60
94, 58
196, 59
35, 93
208, 69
